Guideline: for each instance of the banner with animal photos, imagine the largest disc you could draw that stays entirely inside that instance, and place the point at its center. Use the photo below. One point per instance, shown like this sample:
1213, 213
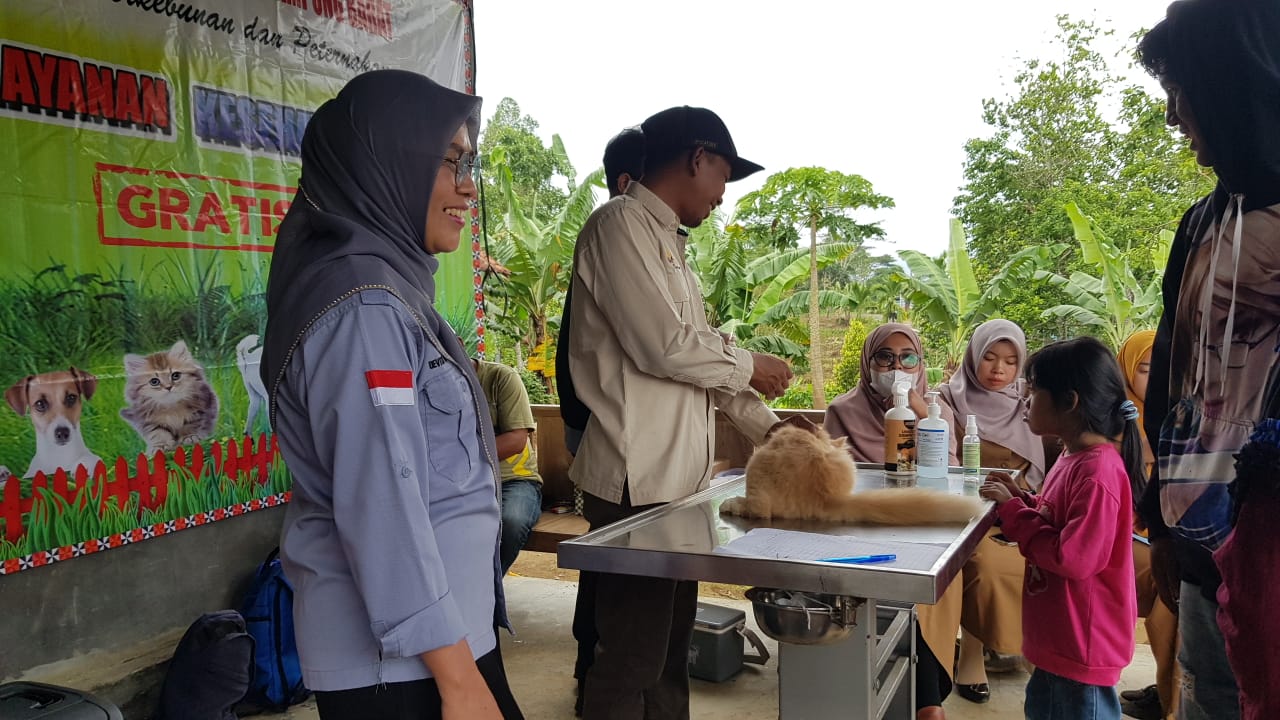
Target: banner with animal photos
151, 149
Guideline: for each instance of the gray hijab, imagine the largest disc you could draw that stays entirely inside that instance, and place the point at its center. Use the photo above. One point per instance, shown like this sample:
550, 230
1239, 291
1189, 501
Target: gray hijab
1000, 412
369, 162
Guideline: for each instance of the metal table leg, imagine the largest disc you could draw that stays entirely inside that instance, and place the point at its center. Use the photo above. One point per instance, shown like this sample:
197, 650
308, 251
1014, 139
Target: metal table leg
866, 675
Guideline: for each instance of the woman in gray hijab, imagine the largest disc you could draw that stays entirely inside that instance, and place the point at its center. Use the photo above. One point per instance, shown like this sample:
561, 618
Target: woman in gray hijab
391, 537
989, 386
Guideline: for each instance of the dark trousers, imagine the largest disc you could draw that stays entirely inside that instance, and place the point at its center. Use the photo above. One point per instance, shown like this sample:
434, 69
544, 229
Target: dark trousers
644, 625
415, 700
584, 624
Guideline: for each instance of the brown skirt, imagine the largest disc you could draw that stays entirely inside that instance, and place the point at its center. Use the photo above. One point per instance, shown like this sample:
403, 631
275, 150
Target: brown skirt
940, 623
992, 607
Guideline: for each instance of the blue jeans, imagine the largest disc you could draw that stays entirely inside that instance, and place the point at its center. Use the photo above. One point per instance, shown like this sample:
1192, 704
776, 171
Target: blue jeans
1209, 689
1053, 697
521, 508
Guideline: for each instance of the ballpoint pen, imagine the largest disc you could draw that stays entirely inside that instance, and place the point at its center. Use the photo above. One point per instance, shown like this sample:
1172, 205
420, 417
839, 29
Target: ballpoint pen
861, 559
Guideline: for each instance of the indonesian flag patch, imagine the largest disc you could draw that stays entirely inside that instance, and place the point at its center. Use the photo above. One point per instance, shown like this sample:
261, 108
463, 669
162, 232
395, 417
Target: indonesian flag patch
390, 387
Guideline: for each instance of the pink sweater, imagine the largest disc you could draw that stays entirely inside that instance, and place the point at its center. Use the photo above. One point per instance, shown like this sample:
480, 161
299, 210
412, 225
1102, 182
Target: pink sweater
1079, 605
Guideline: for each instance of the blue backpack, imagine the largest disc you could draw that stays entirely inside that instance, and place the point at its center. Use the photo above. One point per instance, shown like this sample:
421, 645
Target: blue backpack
268, 614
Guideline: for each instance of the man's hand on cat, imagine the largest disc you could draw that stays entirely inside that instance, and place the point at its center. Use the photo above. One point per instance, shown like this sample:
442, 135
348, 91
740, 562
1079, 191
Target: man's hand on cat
799, 421
770, 375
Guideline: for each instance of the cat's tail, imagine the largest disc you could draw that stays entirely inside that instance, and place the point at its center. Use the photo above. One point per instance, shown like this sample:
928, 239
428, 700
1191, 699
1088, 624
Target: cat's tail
907, 506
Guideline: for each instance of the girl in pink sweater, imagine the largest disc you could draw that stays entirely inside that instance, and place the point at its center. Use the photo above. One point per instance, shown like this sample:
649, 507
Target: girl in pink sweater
1078, 605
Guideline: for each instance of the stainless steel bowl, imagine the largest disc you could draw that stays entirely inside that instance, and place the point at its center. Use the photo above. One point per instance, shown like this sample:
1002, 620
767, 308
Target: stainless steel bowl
799, 618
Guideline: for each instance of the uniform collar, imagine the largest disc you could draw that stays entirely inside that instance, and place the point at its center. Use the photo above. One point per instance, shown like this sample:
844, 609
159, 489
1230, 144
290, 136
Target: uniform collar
660, 211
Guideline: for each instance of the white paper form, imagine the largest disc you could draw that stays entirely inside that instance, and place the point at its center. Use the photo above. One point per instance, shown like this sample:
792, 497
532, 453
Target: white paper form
793, 545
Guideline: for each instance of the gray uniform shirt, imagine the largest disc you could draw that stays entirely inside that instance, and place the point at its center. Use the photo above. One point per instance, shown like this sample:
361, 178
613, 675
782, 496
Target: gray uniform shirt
391, 537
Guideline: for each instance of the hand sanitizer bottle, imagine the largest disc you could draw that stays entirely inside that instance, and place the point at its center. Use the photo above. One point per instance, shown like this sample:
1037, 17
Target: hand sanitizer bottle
933, 442
971, 450
900, 438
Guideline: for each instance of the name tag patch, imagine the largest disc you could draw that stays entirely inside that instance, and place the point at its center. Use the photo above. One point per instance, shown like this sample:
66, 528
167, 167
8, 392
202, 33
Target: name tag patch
390, 387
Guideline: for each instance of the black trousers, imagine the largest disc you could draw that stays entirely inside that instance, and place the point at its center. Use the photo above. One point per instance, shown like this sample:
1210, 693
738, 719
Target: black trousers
644, 625
415, 700
584, 623
933, 684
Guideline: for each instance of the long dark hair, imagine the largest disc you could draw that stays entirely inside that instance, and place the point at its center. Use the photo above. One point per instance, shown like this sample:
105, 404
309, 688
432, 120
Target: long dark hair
1088, 368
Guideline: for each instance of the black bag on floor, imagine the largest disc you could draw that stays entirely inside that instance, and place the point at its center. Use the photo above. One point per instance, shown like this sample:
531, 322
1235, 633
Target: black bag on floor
210, 671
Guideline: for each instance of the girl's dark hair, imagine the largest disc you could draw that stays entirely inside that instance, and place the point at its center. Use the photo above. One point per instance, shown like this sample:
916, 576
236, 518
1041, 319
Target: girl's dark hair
1088, 368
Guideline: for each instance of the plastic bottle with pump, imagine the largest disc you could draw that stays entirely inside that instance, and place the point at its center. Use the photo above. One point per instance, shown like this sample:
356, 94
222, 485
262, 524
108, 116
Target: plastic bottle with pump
900, 437
933, 442
971, 456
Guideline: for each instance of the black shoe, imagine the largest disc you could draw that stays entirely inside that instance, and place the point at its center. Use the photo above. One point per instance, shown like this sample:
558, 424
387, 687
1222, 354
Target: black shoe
582, 695
979, 693
1143, 710
1139, 695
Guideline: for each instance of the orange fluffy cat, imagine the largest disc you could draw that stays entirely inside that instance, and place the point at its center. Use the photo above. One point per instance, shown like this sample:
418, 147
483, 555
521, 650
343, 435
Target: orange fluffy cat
803, 475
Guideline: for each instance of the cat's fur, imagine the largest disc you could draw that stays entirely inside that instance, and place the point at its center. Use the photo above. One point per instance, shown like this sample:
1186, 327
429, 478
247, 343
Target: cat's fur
168, 401
800, 475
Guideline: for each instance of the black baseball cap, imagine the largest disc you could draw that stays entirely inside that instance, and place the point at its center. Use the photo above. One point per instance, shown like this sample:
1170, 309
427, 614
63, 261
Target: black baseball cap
690, 127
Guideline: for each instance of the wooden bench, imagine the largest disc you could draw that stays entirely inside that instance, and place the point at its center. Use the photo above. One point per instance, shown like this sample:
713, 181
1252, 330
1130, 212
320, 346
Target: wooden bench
732, 450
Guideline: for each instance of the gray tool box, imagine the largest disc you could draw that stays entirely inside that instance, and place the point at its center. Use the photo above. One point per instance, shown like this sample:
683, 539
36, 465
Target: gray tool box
716, 650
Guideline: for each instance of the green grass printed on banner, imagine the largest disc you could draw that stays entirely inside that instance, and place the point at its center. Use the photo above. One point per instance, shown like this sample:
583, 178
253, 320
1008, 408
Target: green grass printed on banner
56, 319
53, 522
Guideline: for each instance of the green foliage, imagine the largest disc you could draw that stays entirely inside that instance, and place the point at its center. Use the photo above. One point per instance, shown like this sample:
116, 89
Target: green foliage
750, 289
797, 397
532, 164
945, 293
539, 252
538, 393
849, 366
1051, 143
1112, 301
815, 201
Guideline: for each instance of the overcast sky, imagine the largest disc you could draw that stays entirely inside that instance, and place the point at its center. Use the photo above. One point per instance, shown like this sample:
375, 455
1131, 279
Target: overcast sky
889, 91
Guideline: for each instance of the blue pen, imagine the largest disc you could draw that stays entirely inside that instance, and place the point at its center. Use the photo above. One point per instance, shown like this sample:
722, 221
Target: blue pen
861, 559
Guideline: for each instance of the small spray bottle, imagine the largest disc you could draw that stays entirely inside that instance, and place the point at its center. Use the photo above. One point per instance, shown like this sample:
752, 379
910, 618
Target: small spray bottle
933, 442
900, 437
971, 455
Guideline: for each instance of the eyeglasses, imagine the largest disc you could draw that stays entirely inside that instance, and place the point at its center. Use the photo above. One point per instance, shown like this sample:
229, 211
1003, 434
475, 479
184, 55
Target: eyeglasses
886, 359
466, 165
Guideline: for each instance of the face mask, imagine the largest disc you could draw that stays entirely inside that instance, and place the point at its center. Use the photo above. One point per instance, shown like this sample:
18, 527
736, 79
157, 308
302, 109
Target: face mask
883, 382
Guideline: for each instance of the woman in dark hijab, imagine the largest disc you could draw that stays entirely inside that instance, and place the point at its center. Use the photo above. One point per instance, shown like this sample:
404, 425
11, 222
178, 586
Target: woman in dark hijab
391, 536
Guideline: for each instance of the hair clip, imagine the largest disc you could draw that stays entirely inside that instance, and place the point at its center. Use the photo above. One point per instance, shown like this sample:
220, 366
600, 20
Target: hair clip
1128, 410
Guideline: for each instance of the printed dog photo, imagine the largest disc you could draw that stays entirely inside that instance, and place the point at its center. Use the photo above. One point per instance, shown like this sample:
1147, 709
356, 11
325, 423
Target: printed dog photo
55, 401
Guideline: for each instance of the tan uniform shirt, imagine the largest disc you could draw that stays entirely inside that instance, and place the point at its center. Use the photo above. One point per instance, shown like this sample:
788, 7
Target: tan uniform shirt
646, 361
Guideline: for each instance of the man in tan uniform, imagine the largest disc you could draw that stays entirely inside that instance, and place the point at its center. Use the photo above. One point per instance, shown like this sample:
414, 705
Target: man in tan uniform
653, 373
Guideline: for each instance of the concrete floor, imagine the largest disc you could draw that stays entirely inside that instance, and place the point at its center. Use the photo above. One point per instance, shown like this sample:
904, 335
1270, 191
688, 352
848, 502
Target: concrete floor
539, 662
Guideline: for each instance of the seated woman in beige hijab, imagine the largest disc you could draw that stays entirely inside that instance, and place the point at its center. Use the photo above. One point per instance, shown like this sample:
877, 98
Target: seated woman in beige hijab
988, 385
892, 352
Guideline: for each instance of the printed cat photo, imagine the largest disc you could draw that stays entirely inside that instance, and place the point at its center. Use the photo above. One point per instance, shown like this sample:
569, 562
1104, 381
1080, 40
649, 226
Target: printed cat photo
168, 401
801, 475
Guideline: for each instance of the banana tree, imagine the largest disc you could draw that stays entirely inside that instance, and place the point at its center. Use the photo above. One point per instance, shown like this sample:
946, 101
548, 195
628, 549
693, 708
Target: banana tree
945, 291
539, 252
814, 199
1113, 301
754, 299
